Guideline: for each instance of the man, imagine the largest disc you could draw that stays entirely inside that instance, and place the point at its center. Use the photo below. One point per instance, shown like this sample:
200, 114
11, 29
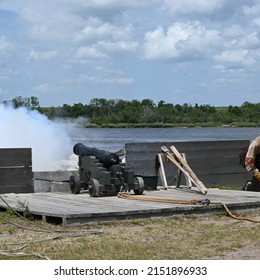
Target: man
252, 164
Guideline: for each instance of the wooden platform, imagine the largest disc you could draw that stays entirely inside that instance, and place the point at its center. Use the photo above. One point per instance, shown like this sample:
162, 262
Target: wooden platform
68, 209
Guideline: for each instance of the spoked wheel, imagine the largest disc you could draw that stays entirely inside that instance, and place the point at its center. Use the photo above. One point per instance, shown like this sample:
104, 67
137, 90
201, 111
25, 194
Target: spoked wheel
75, 184
140, 183
93, 188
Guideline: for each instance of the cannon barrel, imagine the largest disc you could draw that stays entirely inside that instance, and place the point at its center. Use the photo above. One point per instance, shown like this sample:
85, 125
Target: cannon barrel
108, 159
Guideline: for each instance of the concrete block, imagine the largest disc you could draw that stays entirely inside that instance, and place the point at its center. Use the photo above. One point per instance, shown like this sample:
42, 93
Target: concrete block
41, 186
53, 181
42, 175
62, 176
59, 187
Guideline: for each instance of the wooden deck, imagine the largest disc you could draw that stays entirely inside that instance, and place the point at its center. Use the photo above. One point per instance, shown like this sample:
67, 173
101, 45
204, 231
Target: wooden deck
68, 209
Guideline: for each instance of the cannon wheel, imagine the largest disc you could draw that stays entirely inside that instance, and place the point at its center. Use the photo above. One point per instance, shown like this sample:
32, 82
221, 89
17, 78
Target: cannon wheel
93, 188
140, 183
75, 184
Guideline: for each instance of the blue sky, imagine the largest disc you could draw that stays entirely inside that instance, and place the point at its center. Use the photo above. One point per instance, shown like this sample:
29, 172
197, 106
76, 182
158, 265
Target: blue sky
179, 51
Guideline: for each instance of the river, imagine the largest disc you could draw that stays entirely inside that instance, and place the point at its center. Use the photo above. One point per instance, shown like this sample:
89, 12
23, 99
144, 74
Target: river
113, 139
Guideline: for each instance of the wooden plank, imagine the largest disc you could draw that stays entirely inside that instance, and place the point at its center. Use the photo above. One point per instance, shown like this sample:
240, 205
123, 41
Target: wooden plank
162, 172
217, 165
81, 209
16, 170
15, 157
16, 189
227, 179
185, 146
15, 176
204, 157
184, 167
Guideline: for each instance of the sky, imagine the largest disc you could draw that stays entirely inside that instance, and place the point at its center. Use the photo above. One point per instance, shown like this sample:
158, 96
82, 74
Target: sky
178, 51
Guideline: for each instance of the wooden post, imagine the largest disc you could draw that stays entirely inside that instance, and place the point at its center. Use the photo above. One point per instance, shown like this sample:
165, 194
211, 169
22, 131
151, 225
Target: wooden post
187, 179
162, 172
189, 170
183, 166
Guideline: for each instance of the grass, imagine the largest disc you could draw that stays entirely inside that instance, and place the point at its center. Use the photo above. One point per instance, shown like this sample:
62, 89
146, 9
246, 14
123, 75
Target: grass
182, 237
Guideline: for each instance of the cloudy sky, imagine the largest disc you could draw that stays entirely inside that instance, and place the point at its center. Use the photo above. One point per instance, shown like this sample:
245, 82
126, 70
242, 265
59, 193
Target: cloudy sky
179, 51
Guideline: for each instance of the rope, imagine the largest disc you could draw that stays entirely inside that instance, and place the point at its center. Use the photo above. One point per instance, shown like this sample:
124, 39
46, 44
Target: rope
233, 216
161, 200
63, 235
187, 202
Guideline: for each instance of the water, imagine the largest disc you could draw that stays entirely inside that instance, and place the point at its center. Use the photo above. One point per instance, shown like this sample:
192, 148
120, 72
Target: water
113, 139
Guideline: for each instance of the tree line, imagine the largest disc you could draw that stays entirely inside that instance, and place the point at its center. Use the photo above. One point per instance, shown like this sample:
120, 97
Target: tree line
108, 112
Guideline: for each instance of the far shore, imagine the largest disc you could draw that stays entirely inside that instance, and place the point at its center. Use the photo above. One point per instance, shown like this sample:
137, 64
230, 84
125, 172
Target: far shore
168, 125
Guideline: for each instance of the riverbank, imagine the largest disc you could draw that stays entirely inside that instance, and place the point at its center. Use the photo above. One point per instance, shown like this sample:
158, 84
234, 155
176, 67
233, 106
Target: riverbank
169, 125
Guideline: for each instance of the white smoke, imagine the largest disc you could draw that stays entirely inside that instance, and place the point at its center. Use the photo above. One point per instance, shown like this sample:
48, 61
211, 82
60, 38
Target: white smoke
23, 128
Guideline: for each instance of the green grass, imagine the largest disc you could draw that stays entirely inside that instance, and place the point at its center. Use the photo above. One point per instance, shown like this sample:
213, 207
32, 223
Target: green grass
181, 237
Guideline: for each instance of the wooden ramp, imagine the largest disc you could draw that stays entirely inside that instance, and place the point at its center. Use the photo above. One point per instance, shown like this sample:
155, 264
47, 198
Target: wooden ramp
68, 209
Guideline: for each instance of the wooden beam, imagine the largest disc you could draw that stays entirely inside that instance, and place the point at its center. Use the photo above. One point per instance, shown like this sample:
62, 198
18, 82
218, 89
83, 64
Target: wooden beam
162, 172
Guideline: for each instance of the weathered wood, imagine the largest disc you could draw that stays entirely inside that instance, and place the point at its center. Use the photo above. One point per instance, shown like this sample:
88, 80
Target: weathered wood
72, 209
16, 170
180, 164
15, 176
162, 172
191, 175
16, 189
15, 157
187, 178
216, 160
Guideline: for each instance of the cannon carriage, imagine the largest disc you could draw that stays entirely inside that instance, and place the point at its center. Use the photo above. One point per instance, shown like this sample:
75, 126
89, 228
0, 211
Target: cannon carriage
102, 173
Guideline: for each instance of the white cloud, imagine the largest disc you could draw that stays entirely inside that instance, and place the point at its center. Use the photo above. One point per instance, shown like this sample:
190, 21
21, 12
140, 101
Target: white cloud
43, 55
215, 9
96, 29
236, 57
6, 45
90, 52
118, 47
46, 88
103, 80
106, 5
78, 37
234, 31
251, 10
180, 41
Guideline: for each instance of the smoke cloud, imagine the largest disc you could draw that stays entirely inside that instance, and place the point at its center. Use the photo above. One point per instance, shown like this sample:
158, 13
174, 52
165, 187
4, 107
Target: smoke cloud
23, 128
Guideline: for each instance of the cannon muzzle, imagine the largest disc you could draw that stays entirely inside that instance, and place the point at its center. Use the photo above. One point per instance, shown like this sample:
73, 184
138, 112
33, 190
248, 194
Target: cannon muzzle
108, 159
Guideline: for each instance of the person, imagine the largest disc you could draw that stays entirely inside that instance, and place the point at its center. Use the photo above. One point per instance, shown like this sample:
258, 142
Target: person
252, 164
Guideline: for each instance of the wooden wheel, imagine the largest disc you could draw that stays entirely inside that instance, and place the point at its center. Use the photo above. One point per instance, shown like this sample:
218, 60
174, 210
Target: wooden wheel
93, 188
140, 183
75, 184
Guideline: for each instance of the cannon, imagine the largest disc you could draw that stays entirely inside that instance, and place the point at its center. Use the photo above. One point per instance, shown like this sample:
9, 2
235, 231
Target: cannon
102, 173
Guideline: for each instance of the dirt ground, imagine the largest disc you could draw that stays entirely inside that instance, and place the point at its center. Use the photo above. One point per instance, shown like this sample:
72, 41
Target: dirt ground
211, 237
250, 252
